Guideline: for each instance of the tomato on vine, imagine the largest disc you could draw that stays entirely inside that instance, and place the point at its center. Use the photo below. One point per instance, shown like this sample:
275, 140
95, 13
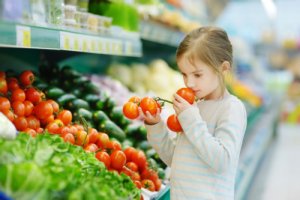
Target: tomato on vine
149, 104
187, 93
130, 110
173, 123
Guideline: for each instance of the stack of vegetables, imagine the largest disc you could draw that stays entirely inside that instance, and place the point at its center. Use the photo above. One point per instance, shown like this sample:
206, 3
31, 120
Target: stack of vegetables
23, 100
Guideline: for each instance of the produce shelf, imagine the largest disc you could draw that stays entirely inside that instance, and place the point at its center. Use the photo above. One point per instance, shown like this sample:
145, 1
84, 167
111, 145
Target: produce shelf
36, 37
159, 33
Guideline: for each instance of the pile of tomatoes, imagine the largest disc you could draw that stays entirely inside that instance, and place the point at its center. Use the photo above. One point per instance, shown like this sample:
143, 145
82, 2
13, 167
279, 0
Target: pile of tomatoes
31, 113
130, 108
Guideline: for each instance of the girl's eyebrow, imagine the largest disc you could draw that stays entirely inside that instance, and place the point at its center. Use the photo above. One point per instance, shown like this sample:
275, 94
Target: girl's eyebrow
194, 72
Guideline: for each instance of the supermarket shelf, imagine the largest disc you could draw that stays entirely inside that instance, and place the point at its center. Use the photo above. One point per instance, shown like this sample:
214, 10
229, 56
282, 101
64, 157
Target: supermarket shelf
255, 146
35, 37
159, 33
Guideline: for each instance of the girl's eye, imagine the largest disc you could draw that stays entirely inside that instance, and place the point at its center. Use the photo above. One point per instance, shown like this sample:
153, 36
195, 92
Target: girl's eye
197, 75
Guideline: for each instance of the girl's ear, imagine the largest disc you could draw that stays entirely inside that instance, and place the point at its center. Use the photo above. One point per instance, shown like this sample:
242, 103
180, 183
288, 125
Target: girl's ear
225, 67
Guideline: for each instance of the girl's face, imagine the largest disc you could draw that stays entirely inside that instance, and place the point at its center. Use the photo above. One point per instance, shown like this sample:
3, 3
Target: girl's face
200, 78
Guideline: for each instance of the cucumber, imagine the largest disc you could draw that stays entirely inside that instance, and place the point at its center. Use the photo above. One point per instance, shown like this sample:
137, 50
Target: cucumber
68, 72
116, 115
76, 104
81, 112
99, 117
144, 145
64, 99
137, 132
54, 93
92, 99
91, 88
112, 130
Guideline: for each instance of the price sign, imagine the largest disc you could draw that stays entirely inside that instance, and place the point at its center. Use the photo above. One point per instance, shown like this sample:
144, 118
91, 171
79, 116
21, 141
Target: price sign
23, 36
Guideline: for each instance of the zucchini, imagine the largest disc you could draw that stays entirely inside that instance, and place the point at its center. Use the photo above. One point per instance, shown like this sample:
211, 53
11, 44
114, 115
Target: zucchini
112, 130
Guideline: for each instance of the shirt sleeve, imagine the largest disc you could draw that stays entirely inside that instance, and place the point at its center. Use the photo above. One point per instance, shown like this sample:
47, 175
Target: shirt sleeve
158, 136
220, 150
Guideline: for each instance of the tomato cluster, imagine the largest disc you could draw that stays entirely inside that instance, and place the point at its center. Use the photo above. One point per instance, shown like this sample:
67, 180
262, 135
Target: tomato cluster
147, 104
172, 121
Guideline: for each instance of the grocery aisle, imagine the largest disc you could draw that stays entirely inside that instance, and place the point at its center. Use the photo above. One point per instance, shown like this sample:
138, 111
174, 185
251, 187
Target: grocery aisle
278, 175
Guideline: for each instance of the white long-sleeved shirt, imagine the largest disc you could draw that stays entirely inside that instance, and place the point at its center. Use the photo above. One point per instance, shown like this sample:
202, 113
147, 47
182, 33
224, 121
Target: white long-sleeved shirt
204, 158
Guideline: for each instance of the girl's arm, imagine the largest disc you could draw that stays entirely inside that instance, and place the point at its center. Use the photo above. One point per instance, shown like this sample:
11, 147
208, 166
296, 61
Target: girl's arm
221, 150
161, 141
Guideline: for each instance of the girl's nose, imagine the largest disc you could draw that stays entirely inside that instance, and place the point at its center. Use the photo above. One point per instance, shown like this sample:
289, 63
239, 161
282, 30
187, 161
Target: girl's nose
190, 83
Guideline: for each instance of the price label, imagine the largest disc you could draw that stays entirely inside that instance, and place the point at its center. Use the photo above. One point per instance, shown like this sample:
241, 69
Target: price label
23, 36
129, 48
67, 42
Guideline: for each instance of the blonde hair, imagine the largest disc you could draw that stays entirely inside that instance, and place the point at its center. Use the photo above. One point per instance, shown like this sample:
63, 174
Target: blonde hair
209, 44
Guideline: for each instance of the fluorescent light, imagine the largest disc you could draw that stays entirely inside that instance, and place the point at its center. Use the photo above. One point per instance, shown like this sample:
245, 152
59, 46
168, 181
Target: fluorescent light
270, 8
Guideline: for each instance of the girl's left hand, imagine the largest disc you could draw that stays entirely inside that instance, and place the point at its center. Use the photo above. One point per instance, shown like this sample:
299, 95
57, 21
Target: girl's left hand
180, 104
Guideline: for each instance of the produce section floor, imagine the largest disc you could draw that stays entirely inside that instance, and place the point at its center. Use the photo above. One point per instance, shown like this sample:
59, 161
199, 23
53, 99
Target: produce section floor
278, 176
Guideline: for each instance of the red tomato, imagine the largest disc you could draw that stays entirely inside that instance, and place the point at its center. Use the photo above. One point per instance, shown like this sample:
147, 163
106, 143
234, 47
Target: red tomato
138, 184
187, 93
118, 159
129, 151
30, 131
140, 159
47, 120
126, 171
69, 138
173, 123
135, 99
20, 123
81, 138
148, 104
55, 105
9, 114
148, 184
19, 108
28, 108
33, 95
3, 86
26, 78
150, 174
130, 110
4, 104
135, 176
157, 184
43, 110
55, 126
12, 84
93, 135
18, 95
103, 140
64, 130
104, 157
40, 130
33, 122
114, 145
2, 74
91, 148
131, 165
65, 116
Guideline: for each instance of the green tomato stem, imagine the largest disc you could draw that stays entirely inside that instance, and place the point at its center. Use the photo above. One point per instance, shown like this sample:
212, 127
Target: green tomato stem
164, 100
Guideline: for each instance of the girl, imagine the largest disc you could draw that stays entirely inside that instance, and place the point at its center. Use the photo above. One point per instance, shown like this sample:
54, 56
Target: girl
204, 157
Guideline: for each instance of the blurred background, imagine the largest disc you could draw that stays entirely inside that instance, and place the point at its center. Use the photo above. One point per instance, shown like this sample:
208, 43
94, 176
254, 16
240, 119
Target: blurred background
91, 56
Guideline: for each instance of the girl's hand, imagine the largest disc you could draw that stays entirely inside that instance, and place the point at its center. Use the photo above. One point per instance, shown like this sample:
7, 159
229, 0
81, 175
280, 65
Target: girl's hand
180, 104
150, 119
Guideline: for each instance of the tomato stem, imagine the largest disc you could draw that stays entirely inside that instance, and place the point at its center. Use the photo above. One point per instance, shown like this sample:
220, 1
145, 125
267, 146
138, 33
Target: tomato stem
164, 100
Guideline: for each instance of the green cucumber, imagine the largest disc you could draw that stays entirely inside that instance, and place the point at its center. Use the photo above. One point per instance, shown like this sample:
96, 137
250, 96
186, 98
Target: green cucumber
116, 115
54, 93
81, 112
76, 104
112, 130
92, 99
99, 117
64, 99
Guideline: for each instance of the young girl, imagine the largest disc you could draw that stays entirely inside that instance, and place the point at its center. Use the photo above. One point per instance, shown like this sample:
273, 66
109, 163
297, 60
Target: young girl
204, 157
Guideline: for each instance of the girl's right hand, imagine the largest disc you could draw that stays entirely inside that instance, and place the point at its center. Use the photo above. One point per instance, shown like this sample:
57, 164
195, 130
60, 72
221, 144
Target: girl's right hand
150, 119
